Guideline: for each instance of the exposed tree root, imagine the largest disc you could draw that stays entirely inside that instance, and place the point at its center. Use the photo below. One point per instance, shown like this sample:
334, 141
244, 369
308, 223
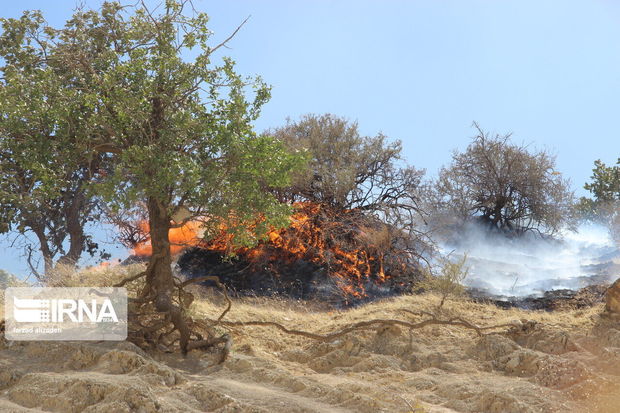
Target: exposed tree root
130, 279
217, 282
364, 325
162, 328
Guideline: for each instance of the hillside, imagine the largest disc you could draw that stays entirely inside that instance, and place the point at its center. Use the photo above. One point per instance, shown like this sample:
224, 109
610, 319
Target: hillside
566, 361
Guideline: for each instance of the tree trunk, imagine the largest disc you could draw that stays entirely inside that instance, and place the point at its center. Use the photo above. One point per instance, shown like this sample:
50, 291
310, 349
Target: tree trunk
497, 214
159, 280
75, 229
48, 258
160, 277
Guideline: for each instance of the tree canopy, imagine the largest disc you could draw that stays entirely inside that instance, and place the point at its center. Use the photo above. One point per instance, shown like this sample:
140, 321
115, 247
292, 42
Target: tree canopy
506, 186
604, 186
347, 170
604, 205
46, 120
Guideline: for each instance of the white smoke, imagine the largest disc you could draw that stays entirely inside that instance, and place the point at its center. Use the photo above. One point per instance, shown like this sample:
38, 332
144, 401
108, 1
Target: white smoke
530, 265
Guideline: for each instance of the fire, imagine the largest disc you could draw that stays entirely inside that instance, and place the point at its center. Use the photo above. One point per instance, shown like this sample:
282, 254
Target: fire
181, 238
350, 267
325, 242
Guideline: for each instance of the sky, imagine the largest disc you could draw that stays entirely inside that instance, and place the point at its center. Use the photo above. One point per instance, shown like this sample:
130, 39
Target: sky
423, 71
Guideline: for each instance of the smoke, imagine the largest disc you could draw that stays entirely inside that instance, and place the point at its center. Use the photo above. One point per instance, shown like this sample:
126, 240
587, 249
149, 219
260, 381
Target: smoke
530, 265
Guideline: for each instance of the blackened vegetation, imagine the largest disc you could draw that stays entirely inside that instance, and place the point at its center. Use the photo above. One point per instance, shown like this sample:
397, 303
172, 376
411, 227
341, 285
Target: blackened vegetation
341, 258
550, 301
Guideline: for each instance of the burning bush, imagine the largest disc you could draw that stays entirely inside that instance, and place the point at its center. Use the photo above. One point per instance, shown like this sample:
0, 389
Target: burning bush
341, 257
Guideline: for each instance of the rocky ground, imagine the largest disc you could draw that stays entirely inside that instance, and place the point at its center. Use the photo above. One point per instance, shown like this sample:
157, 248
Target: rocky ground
562, 361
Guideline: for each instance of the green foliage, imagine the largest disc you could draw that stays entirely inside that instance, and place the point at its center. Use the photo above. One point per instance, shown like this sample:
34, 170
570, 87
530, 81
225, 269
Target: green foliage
604, 186
180, 131
448, 280
109, 108
45, 121
604, 206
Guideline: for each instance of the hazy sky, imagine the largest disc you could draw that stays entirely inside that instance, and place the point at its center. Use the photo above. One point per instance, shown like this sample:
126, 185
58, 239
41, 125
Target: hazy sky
422, 71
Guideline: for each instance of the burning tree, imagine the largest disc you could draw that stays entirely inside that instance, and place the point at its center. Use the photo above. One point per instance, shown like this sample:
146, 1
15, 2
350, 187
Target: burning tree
354, 233
351, 172
179, 136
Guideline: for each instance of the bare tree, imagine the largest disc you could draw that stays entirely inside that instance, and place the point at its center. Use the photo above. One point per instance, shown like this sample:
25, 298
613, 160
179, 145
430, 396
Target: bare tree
506, 187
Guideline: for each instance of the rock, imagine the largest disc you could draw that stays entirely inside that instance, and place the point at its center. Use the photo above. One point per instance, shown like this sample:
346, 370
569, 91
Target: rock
612, 298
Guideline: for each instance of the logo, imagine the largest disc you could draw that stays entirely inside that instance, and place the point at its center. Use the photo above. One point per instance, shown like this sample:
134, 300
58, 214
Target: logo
31, 311
66, 313
38, 311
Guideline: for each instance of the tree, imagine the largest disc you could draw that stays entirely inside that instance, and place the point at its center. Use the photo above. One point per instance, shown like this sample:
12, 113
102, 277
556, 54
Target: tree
179, 134
505, 186
604, 206
44, 120
349, 171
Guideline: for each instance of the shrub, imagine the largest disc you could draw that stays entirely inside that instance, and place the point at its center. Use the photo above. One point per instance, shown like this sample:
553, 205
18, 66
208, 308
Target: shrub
448, 282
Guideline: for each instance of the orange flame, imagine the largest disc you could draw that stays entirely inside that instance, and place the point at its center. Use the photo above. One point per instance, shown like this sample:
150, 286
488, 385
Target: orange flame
303, 239
180, 239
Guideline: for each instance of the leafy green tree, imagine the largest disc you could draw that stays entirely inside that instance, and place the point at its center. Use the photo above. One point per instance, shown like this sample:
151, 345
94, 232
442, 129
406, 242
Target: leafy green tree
604, 186
604, 205
179, 133
45, 119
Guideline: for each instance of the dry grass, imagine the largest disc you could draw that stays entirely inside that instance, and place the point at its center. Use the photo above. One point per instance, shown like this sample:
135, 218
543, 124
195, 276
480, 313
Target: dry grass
96, 276
308, 315
8, 280
68, 276
275, 347
305, 316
